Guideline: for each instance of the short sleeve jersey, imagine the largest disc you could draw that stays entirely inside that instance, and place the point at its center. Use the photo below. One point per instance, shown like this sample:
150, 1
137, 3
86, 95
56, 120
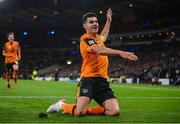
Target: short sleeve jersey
93, 65
11, 48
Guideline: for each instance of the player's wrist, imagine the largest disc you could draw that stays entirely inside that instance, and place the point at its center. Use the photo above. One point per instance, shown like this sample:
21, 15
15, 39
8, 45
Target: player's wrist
108, 20
122, 53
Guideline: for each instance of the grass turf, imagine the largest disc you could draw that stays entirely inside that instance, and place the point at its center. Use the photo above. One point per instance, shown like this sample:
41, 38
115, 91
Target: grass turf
138, 103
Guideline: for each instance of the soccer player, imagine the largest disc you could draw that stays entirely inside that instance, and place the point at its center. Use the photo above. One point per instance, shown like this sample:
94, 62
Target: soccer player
93, 83
12, 53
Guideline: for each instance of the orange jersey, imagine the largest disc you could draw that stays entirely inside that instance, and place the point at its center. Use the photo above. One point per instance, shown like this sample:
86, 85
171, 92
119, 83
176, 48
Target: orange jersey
93, 65
11, 48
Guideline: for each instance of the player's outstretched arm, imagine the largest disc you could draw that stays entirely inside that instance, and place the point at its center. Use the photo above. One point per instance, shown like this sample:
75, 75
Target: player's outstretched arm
112, 52
105, 31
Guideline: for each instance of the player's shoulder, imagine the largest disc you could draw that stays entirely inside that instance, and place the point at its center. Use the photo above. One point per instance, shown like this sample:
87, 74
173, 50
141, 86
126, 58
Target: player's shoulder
85, 36
88, 36
6, 43
88, 39
16, 42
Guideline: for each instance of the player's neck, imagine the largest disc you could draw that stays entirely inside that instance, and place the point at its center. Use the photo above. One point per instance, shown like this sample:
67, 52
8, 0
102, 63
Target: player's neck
11, 41
92, 34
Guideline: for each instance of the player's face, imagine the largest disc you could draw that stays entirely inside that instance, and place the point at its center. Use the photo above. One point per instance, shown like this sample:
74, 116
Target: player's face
91, 25
11, 37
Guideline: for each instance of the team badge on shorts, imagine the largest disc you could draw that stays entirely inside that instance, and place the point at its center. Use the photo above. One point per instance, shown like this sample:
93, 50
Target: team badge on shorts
84, 91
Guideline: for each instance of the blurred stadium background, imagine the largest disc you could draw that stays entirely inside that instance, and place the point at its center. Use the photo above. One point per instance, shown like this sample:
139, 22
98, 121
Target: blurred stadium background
49, 34
49, 31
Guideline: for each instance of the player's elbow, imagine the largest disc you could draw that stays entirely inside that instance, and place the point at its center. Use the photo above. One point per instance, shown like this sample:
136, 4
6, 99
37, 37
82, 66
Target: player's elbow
98, 50
4, 54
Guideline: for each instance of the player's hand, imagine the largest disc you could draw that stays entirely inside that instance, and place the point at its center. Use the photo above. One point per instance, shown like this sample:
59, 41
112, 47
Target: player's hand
19, 58
129, 55
109, 15
10, 55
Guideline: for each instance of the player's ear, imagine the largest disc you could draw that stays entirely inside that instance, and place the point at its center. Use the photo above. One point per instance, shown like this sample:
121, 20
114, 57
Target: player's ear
84, 25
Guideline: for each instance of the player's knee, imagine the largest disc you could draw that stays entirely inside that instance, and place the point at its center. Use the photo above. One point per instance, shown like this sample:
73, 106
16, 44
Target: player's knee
114, 112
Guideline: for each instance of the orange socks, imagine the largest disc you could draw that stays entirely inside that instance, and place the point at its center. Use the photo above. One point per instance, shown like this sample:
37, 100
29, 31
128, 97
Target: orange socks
97, 110
69, 108
15, 76
7, 77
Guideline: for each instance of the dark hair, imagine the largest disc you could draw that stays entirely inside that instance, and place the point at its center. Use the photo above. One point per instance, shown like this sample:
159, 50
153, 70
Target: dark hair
10, 33
87, 15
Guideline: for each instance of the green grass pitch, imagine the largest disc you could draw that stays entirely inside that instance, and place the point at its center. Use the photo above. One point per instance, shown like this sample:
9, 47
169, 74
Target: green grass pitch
138, 103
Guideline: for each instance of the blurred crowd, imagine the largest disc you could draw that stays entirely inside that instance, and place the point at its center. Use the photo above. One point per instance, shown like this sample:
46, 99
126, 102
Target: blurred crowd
160, 60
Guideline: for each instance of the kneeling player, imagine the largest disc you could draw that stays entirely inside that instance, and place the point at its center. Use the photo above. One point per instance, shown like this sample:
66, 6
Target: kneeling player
94, 84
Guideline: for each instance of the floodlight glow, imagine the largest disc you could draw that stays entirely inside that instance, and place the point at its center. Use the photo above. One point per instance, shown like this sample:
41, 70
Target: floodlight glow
25, 33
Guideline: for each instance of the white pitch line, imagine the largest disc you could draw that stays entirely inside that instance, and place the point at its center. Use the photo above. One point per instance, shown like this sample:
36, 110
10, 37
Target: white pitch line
150, 88
32, 97
151, 97
58, 97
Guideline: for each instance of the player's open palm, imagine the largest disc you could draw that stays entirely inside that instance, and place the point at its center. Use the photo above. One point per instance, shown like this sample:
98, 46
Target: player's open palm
109, 15
129, 55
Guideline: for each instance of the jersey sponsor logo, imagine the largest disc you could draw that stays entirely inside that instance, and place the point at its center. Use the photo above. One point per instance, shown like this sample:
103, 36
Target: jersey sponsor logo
84, 91
90, 41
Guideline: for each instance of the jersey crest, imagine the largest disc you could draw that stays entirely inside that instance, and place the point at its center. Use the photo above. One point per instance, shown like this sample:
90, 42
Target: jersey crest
90, 41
